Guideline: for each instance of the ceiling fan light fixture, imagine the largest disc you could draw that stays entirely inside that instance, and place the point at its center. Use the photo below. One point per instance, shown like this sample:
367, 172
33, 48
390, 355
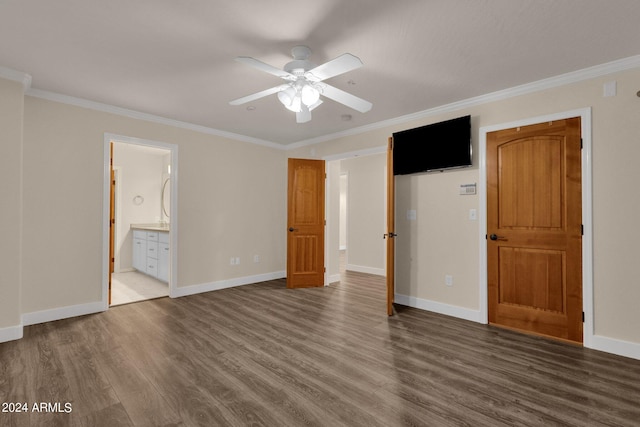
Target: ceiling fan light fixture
309, 94
293, 97
290, 99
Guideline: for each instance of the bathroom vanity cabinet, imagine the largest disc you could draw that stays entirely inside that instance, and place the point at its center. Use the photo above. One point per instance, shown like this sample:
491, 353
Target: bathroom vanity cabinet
151, 252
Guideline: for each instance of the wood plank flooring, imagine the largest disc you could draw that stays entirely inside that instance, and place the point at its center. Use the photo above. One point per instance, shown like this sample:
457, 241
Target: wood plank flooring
265, 355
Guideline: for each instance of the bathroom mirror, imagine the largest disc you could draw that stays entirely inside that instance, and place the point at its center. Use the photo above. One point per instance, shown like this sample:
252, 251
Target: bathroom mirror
166, 197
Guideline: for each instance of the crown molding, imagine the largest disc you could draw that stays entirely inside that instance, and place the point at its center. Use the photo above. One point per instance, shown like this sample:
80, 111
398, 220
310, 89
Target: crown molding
540, 85
537, 86
16, 76
106, 108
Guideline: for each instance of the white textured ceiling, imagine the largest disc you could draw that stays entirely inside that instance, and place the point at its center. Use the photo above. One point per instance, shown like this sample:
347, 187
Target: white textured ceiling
175, 59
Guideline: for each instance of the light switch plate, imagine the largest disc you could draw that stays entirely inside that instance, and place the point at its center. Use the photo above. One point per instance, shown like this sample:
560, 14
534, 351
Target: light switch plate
610, 89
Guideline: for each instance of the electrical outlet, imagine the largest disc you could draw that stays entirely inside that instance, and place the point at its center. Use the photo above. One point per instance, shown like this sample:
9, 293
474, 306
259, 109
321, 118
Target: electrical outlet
448, 280
256, 258
237, 260
233, 261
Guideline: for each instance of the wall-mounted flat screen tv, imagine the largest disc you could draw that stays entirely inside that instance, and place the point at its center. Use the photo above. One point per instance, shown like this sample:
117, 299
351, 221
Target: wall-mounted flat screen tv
439, 146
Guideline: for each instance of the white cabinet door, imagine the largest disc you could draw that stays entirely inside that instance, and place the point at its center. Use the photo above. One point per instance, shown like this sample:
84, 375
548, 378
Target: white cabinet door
140, 255
151, 253
163, 262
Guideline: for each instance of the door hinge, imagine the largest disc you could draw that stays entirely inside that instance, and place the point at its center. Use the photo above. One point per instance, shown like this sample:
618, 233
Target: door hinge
582, 229
583, 317
581, 144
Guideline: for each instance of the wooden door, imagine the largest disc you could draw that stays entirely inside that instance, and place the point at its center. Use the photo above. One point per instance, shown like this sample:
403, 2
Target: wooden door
305, 223
534, 225
390, 236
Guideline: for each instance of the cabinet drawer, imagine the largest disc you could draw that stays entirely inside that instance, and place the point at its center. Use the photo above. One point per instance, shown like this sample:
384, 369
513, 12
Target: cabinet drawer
152, 236
163, 262
140, 255
152, 267
152, 249
139, 234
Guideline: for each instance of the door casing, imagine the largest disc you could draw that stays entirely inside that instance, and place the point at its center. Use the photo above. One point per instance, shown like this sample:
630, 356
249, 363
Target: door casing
173, 233
587, 216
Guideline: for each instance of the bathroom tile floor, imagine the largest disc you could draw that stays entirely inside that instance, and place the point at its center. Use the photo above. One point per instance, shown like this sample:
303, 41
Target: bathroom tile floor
132, 286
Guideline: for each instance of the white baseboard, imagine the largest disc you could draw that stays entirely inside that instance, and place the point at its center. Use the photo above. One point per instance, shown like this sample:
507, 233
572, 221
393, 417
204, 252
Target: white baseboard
334, 278
597, 342
363, 269
61, 313
615, 346
438, 307
11, 333
224, 284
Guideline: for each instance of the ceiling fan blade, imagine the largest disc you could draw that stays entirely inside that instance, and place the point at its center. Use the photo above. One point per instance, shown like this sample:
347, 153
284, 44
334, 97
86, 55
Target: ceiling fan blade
345, 98
265, 67
256, 95
340, 65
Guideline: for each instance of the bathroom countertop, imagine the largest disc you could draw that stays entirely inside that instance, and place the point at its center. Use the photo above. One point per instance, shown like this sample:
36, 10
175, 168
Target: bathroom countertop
151, 226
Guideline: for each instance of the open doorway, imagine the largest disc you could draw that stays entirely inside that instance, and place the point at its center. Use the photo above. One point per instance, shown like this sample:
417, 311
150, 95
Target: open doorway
356, 214
141, 220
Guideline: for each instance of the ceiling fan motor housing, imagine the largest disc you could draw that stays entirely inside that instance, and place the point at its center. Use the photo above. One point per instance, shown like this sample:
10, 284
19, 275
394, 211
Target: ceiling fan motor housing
300, 63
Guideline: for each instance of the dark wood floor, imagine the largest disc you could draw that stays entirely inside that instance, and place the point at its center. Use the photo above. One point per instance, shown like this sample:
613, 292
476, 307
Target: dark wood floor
264, 355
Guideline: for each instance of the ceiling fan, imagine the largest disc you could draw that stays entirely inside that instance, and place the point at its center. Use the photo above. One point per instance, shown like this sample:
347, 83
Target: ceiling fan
305, 83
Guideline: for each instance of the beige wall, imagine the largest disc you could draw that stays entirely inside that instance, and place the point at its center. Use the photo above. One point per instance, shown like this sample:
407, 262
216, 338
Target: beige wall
11, 114
231, 202
444, 241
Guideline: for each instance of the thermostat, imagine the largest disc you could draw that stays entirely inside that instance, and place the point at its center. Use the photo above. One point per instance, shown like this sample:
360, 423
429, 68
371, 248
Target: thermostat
466, 189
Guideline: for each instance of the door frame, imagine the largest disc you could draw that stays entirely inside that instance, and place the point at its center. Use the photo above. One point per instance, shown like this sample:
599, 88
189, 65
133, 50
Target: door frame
173, 230
587, 213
